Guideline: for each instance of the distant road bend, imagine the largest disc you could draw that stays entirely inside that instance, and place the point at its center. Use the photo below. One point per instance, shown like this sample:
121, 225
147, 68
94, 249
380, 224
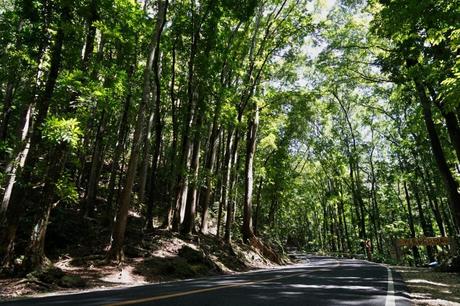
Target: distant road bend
317, 281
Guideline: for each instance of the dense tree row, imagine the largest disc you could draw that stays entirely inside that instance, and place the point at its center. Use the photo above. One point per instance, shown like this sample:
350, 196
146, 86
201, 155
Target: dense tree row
380, 151
150, 103
250, 118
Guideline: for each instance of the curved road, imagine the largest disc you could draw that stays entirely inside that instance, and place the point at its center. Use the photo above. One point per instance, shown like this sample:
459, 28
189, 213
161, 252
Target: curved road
317, 280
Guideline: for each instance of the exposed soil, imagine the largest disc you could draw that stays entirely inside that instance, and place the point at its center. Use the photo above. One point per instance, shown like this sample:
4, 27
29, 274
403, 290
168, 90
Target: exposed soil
150, 258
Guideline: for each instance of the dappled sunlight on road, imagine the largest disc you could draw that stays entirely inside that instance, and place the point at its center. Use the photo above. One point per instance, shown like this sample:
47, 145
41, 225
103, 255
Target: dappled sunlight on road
318, 281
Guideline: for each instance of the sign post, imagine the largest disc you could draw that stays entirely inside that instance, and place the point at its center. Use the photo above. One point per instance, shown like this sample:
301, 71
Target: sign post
424, 241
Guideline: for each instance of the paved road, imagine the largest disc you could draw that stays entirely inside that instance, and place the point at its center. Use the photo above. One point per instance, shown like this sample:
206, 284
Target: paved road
316, 281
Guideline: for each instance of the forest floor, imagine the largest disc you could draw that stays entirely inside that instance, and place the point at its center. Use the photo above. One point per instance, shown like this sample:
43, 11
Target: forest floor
429, 287
155, 257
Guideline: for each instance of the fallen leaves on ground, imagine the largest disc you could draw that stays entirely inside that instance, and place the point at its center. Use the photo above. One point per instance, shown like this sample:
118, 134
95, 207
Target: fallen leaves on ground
429, 287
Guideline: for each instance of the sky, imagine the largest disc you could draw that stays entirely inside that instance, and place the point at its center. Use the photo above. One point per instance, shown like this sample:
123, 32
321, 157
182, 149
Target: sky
320, 8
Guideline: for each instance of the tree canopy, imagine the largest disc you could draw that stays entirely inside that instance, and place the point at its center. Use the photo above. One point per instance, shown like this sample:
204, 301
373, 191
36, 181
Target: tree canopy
316, 124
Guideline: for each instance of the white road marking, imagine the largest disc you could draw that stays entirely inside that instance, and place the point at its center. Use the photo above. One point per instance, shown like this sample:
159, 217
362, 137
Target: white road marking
390, 300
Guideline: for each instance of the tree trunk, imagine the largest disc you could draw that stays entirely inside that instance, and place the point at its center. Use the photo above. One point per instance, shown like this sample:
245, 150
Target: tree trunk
145, 160
345, 226
9, 91
453, 130
35, 257
158, 126
231, 183
436, 212
7, 109
226, 172
375, 206
118, 234
426, 224
449, 181
91, 34
24, 134
451, 229
209, 168
96, 161
411, 224
120, 144
175, 132
430, 192
190, 207
184, 160
257, 213
251, 141
18, 194
17, 163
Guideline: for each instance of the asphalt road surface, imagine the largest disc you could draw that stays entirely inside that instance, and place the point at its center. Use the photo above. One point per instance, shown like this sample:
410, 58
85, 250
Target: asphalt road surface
316, 281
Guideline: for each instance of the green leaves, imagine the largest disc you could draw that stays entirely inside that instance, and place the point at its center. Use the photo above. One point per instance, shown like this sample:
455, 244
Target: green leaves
66, 190
59, 131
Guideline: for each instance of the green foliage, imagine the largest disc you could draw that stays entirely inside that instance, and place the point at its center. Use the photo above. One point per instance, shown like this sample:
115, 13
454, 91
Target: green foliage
341, 130
66, 190
59, 131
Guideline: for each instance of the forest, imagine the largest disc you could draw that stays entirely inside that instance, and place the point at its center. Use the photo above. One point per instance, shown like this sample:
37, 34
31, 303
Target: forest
313, 124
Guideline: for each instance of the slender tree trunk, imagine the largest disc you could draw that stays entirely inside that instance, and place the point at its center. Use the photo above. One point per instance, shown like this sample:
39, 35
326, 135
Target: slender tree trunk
453, 128
375, 206
190, 209
16, 209
209, 169
35, 257
449, 181
354, 167
437, 215
158, 126
231, 183
451, 229
9, 91
88, 53
257, 213
174, 141
226, 178
430, 194
145, 159
91, 34
96, 160
362, 219
345, 226
120, 144
24, 134
184, 161
411, 224
251, 141
356, 202
7, 109
118, 234
17, 163
426, 224
155, 122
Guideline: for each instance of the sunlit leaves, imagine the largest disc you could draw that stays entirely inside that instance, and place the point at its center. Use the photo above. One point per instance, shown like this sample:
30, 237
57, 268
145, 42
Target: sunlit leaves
62, 131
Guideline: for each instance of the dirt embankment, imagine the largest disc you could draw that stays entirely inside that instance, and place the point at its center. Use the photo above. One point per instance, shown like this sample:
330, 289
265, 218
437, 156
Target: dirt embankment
154, 257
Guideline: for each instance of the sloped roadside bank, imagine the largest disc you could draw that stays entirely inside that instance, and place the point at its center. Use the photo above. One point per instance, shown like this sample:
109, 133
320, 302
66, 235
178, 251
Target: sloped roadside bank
159, 257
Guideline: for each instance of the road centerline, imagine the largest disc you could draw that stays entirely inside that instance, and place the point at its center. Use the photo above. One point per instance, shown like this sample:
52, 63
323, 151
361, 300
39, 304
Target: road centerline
178, 294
